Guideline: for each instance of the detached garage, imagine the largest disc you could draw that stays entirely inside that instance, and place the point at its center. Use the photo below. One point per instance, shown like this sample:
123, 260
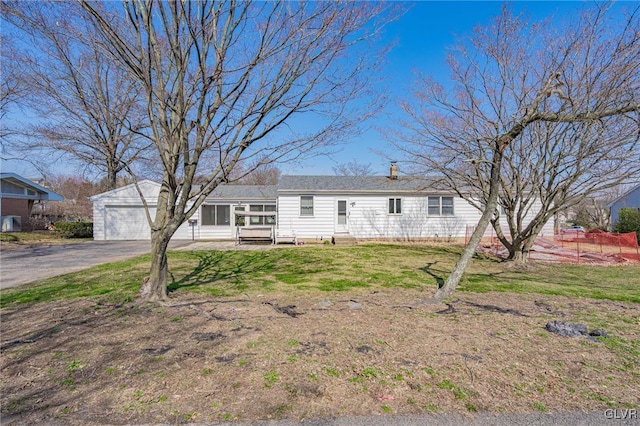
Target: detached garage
119, 214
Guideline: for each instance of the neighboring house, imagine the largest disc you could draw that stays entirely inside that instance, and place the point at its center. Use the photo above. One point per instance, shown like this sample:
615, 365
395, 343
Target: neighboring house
17, 197
310, 207
630, 199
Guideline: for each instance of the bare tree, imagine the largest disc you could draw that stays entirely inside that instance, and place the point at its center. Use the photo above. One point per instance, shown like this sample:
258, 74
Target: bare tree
12, 86
268, 174
553, 166
593, 211
89, 111
75, 206
508, 78
352, 168
222, 82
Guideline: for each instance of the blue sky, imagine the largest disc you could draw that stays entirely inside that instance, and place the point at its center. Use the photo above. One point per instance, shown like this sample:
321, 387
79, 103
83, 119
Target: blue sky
421, 38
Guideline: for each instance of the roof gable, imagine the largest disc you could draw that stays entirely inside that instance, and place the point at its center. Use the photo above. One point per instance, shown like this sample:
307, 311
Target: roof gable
33, 191
148, 188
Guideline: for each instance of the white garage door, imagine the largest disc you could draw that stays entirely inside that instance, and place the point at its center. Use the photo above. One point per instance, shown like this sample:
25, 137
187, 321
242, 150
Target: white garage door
127, 223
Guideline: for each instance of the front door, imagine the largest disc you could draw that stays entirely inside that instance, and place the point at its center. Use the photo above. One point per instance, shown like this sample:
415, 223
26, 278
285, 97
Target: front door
342, 217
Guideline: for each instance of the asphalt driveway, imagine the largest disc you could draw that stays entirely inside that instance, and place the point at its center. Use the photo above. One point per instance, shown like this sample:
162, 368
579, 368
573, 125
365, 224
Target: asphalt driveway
21, 266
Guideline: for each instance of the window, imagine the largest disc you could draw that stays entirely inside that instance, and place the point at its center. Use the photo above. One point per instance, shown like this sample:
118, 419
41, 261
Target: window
306, 205
262, 220
218, 215
433, 206
440, 206
10, 188
342, 212
239, 219
447, 206
395, 206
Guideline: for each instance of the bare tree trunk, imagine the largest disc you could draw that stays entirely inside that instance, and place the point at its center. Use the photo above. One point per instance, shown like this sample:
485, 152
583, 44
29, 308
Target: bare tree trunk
154, 287
519, 256
515, 250
509, 245
449, 286
112, 177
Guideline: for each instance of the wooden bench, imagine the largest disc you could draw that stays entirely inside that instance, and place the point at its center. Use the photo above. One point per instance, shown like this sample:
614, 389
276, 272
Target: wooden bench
255, 234
286, 236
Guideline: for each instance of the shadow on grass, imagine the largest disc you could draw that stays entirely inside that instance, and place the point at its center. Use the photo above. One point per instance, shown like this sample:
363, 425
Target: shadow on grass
429, 271
215, 266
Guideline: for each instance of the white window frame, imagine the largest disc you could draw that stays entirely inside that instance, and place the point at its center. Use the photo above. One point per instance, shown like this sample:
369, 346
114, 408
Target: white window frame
262, 220
215, 208
312, 207
440, 206
451, 206
397, 202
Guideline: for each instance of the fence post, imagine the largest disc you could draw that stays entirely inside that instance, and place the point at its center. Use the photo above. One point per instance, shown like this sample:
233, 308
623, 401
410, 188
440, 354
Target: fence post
620, 243
600, 238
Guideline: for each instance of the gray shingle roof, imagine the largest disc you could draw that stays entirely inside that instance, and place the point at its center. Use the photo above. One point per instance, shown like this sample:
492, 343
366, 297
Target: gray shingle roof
355, 184
245, 192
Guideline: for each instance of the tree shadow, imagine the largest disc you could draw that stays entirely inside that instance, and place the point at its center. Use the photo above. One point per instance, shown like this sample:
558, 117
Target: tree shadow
214, 266
496, 309
429, 271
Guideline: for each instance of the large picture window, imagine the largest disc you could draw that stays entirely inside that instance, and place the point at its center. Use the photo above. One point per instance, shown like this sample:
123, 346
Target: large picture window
306, 205
395, 206
217, 215
440, 206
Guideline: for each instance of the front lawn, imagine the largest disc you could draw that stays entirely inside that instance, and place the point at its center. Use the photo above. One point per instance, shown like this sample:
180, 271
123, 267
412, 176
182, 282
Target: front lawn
313, 270
317, 333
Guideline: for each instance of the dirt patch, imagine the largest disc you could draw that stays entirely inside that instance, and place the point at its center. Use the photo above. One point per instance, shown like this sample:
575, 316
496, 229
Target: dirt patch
572, 250
78, 362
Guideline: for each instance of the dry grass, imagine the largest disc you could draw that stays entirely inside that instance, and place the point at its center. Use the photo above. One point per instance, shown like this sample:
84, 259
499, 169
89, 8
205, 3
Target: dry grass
225, 348
198, 359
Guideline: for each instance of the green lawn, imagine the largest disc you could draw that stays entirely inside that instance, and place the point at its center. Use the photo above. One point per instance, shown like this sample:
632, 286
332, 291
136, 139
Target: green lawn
331, 269
40, 237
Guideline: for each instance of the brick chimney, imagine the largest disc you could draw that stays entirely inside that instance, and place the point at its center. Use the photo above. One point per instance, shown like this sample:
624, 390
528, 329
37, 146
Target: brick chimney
393, 172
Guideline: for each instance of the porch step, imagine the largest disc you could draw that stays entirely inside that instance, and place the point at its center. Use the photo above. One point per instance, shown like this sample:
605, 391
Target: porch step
343, 240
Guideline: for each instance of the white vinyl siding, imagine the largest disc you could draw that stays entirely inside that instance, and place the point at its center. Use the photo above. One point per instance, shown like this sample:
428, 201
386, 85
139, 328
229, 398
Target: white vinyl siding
320, 225
119, 214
